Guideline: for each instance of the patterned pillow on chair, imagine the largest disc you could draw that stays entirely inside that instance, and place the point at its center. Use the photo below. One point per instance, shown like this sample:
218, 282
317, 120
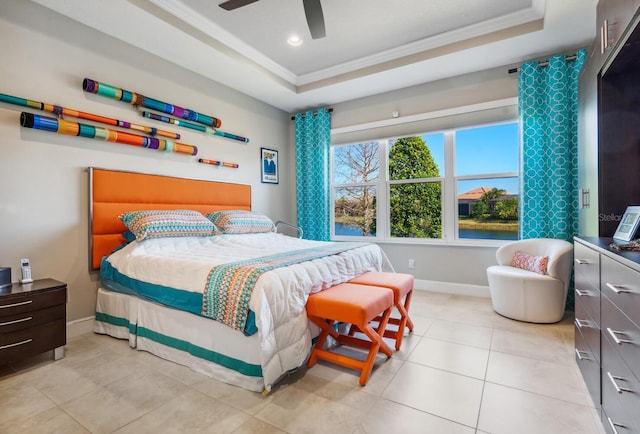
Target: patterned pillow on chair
537, 264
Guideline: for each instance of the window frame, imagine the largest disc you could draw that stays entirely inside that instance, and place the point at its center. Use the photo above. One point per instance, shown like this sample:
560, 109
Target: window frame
449, 185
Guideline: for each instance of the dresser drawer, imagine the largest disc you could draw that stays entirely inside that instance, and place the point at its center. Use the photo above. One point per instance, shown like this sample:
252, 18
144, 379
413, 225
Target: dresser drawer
589, 367
622, 285
32, 341
26, 302
25, 320
586, 267
624, 333
587, 303
620, 389
613, 427
589, 328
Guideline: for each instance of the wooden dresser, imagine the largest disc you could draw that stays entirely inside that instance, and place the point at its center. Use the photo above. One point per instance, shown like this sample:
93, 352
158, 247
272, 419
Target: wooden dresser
33, 319
607, 335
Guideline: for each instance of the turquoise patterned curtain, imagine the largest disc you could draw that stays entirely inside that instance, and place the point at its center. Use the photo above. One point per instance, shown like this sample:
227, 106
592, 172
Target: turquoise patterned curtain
548, 107
313, 134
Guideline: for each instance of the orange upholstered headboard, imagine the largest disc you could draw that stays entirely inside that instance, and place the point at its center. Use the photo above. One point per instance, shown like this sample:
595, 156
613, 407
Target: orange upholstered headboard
113, 192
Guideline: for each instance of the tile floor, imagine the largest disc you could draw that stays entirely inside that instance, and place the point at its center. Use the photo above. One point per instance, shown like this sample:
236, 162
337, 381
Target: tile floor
464, 369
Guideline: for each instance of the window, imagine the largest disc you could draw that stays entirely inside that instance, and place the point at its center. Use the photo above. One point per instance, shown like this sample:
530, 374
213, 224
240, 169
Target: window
355, 181
486, 173
447, 185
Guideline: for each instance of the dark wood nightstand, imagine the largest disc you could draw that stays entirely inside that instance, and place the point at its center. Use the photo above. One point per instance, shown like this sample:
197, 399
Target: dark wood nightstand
33, 319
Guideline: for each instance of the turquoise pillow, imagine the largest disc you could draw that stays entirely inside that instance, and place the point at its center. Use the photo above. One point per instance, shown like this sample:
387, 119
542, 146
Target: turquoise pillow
167, 223
241, 222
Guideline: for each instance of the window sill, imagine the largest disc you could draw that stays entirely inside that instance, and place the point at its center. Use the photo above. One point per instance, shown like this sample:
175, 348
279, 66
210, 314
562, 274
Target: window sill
462, 242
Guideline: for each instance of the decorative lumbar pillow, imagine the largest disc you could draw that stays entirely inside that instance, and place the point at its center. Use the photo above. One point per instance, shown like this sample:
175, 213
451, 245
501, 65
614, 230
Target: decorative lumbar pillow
167, 223
240, 222
537, 264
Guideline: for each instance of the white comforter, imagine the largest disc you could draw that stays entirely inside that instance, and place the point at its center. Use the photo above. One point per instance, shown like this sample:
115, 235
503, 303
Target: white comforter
279, 297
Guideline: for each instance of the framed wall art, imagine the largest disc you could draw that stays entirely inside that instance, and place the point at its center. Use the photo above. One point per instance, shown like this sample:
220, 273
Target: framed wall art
628, 224
269, 164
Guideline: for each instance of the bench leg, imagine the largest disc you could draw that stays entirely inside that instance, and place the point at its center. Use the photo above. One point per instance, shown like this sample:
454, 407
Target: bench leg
327, 329
377, 344
407, 303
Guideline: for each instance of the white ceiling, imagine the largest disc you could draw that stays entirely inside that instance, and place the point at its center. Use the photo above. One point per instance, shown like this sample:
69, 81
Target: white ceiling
372, 46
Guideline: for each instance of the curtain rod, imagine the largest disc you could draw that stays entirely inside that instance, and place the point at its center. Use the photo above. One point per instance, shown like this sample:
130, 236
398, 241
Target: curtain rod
544, 63
329, 110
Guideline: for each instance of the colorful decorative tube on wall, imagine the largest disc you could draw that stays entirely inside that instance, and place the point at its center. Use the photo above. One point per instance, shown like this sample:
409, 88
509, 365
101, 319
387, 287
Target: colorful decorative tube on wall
139, 100
218, 163
61, 126
201, 128
59, 110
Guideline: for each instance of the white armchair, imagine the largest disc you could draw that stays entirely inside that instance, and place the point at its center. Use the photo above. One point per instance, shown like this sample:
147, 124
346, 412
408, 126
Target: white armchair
526, 295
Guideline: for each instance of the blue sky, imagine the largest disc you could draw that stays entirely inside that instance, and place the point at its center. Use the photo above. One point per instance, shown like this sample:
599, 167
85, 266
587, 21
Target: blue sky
481, 150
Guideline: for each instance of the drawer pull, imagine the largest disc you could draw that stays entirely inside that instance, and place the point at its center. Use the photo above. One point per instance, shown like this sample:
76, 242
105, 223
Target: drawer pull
613, 425
618, 289
29, 318
580, 355
582, 292
582, 323
22, 303
582, 261
615, 385
618, 341
26, 341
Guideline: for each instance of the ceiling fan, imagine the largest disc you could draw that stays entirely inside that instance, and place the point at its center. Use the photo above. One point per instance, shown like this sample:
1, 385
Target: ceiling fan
312, 10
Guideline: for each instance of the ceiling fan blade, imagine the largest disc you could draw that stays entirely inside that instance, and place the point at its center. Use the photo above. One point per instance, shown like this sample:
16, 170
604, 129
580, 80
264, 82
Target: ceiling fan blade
315, 18
235, 4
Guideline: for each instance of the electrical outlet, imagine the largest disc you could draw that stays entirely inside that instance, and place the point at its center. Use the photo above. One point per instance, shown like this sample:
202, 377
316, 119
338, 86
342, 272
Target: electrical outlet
412, 263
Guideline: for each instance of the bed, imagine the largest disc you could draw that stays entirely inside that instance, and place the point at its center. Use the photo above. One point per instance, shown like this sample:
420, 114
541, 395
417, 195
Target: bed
172, 295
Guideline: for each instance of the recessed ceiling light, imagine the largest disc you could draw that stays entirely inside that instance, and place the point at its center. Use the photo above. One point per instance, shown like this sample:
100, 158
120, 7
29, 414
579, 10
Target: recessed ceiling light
294, 41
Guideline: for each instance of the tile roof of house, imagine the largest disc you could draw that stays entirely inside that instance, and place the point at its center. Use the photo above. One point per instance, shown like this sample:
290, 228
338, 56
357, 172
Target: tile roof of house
474, 194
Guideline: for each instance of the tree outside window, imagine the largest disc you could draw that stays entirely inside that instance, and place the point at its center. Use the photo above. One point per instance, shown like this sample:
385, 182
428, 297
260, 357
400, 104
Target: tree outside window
415, 208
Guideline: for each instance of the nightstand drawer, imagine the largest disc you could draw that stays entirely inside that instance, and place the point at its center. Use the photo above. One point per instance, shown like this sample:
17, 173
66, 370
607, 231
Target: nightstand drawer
25, 320
32, 341
28, 302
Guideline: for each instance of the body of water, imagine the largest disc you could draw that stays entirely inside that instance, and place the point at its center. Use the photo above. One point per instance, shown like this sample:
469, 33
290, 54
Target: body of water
350, 230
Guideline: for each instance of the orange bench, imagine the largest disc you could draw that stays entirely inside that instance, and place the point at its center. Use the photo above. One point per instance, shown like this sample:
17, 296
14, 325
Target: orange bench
357, 305
402, 286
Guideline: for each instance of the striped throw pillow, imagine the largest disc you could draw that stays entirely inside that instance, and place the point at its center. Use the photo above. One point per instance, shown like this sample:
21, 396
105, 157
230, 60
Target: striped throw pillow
240, 222
167, 223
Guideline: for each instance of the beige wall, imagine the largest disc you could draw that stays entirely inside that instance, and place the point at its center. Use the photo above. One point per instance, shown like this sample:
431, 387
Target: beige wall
43, 199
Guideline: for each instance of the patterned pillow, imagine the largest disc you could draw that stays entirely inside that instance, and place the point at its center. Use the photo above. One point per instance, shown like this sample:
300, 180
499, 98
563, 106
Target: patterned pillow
537, 264
240, 222
167, 223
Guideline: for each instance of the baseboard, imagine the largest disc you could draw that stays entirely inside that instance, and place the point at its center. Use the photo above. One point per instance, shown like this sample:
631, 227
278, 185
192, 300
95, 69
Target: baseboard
80, 327
452, 288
